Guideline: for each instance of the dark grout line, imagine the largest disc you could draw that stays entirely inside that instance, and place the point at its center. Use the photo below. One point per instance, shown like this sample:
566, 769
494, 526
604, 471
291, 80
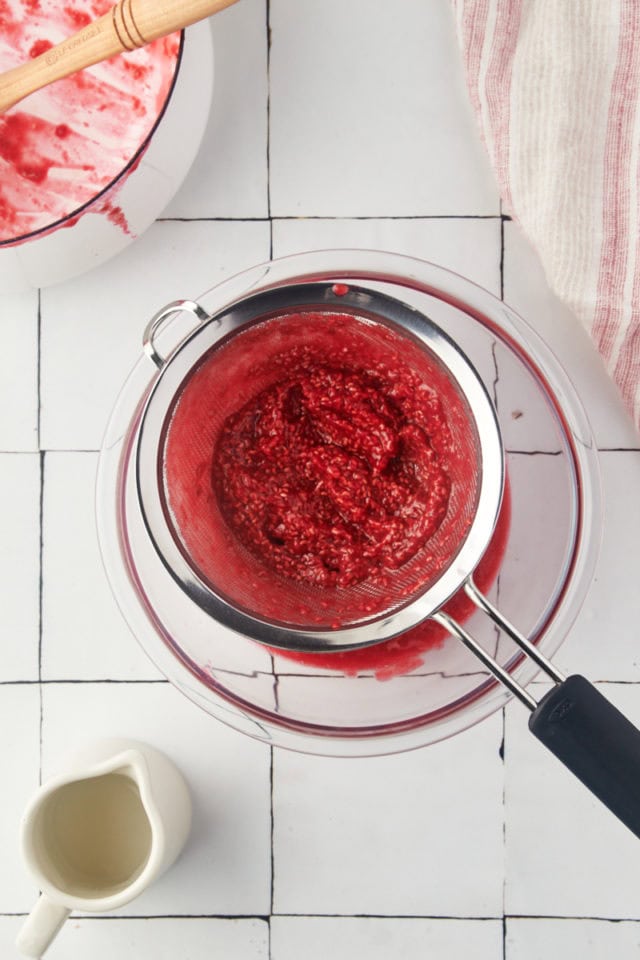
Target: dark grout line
618, 683
43, 683
504, 832
547, 916
41, 522
524, 453
281, 674
40, 729
387, 916
19, 453
264, 219
268, 144
297, 676
271, 828
40, 605
497, 632
494, 344
496, 376
70, 450
326, 216
537, 453
340, 916
164, 916
501, 254
276, 685
618, 449
415, 916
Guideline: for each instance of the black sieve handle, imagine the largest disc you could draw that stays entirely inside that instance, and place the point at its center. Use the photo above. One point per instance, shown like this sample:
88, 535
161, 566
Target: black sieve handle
596, 742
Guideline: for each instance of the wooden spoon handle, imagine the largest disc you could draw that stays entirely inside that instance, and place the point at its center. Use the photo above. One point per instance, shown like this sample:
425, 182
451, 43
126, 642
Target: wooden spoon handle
128, 25
138, 22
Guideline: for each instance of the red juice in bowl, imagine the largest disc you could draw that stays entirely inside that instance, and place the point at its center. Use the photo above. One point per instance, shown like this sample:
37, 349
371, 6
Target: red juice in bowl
68, 143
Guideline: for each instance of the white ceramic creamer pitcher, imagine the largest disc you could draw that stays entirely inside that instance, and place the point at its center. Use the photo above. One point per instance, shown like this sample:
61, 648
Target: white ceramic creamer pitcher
98, 834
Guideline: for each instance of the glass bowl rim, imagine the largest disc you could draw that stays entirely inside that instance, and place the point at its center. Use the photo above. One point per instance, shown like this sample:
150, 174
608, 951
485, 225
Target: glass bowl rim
489, 696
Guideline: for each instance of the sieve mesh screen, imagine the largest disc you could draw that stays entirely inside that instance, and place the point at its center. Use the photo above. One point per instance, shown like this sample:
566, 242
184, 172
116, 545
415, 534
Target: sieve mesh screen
354, 387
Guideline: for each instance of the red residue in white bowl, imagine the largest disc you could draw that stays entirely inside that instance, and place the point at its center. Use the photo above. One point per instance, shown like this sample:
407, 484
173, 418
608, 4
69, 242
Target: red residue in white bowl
66, 144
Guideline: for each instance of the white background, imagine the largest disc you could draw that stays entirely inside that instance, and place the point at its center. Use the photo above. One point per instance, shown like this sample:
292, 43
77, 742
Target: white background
336, 123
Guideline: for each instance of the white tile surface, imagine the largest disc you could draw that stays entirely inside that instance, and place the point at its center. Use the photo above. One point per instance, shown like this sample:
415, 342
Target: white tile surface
19, 372
19, 565
20, 759
415, 834
603, 643
229, 175
92, 327
583, 939
84, 635
526, 290
224, 869
355, 110
369, 114
160, 938
566, 854
471, 247
342, 938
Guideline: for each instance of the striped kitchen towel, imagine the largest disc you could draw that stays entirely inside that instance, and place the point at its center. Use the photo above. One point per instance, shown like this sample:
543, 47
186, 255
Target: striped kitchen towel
556, 87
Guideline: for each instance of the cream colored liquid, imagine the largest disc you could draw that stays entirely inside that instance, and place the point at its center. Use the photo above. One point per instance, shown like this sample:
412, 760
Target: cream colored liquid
95, 835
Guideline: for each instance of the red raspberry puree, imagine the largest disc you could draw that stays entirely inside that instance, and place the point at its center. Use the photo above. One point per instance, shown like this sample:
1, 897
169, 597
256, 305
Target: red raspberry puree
406, 652
65, 144
324, 450
333, 474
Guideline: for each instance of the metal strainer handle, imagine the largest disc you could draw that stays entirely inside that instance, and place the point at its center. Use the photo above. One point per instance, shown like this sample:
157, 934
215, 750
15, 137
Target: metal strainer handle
158, 320
573, 720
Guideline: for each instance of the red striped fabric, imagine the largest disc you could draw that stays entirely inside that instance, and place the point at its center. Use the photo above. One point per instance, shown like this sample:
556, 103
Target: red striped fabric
556, 88
498, 85
616, 213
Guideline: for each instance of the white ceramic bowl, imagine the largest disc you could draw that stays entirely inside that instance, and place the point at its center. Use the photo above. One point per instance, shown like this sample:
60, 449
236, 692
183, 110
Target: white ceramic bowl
145, 185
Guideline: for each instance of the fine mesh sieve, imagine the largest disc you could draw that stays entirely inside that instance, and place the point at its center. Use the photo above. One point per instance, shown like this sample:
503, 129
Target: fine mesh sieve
285, 335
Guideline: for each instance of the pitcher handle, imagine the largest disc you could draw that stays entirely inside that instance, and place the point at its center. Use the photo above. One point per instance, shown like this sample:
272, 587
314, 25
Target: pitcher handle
40, 927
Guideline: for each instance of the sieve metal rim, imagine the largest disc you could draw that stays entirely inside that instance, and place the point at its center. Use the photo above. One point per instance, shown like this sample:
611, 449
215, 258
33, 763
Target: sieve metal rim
210, 332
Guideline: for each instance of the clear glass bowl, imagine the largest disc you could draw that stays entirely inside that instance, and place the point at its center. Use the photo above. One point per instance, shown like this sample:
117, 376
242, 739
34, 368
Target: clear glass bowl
545, 572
